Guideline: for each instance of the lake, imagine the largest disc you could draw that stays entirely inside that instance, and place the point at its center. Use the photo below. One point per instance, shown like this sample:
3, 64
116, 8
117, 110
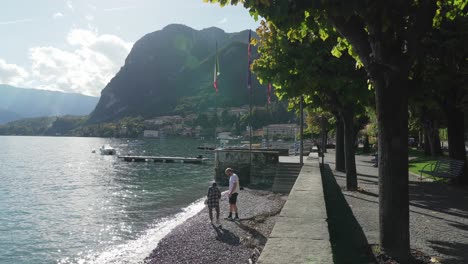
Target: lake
61, 203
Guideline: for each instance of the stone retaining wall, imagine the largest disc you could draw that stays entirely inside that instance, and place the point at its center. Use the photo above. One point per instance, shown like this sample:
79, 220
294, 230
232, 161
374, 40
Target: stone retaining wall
255, 169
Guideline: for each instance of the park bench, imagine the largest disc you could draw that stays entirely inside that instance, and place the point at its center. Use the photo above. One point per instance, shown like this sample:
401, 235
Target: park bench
444, 168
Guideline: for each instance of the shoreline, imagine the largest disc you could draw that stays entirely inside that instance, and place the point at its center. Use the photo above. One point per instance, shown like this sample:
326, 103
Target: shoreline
198, 241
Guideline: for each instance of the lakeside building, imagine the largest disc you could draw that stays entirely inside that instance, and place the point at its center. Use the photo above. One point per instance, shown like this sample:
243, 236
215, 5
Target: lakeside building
281, 130
162, 120
238, 111
151, 133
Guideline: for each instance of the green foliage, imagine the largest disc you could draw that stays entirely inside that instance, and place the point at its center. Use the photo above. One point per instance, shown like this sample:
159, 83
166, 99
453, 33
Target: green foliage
307, 68
28, 127
65, 124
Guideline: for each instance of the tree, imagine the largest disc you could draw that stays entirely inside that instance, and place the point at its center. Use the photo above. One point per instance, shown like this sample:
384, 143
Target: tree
307, 67
384, 37
442, 71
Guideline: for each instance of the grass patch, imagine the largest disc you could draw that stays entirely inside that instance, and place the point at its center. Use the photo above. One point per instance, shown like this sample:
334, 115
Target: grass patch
360, 151
417, 160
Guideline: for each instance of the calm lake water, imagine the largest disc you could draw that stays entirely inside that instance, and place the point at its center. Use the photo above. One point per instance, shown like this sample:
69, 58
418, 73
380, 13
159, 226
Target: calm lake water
61, 203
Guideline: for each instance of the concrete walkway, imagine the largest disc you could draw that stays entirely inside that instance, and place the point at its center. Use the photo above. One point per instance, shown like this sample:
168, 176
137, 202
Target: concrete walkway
438, 212
300, 234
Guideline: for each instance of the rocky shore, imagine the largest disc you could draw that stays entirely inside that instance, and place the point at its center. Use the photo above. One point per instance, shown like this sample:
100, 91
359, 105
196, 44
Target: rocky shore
198, 241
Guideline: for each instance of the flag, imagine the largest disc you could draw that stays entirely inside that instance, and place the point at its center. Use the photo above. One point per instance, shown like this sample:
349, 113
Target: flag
216, 70
249, 55
269, 92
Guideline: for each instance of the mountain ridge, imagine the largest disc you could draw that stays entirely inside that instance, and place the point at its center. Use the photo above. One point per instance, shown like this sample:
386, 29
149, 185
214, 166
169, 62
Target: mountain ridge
171, 70
17, 103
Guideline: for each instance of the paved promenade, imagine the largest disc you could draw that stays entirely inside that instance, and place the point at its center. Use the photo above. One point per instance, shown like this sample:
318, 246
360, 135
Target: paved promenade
438, 212
300, 234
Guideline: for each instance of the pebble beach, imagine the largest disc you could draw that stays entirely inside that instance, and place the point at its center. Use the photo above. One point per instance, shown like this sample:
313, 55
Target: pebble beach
198, 241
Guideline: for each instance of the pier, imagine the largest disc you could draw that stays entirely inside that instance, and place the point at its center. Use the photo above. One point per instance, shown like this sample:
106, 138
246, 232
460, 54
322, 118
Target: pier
197, 160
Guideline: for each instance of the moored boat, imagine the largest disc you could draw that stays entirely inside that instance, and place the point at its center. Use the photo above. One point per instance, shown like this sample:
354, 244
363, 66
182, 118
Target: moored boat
107, 150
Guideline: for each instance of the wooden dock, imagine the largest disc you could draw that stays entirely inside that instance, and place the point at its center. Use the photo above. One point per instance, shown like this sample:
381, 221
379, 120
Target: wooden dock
197, 160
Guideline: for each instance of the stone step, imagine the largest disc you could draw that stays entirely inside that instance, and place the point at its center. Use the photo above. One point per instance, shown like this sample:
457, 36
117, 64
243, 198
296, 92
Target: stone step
283, 185
290, 167
287, 172
284, 181
281, 189
286, 176
286, 168
287, 179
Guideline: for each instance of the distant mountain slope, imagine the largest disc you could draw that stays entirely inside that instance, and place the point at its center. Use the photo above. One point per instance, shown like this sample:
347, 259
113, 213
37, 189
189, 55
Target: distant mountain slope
7, 116
18, 103
171, 70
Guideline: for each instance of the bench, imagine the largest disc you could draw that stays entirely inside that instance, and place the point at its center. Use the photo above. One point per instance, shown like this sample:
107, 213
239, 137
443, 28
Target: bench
444, 168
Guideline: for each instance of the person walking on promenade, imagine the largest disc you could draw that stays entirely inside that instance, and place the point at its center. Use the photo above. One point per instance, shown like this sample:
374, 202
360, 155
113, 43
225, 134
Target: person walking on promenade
234, 187
214, 194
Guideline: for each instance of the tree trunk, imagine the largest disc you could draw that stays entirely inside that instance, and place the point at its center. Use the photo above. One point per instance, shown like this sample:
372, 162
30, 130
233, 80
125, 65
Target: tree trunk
347, 116
427, 146
437, 145
432, 132
420, 138
456, 137
366, 148
323, 123
392, 115
339, 147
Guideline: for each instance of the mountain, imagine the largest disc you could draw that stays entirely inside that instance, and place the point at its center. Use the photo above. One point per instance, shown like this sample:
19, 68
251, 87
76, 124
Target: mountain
16, 103
170, 71
7, 116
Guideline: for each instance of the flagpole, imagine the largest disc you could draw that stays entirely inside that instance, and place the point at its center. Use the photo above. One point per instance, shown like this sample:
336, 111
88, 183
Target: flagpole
215, 84
249, 86
301, 147
250, 119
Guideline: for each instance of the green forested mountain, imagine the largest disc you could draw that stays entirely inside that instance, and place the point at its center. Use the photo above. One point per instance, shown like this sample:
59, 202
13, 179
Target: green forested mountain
16, 103
171, 71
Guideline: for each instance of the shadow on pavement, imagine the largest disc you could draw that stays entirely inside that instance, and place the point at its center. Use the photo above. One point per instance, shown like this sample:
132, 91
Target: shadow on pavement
348, 241
452, 249
440, 197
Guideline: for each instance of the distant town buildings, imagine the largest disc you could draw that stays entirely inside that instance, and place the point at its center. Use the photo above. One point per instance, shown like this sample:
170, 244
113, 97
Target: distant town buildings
281, 130
191, 125
239, 111
151, 133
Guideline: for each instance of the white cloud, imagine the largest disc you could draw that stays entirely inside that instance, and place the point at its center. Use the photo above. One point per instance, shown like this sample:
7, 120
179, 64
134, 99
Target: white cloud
92, 7
89, 17
223, 21
15, 21
120, 8
12, 74
57, 15
94, 60
69, 4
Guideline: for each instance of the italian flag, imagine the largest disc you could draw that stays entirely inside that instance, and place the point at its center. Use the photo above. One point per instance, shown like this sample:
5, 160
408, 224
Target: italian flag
216, 70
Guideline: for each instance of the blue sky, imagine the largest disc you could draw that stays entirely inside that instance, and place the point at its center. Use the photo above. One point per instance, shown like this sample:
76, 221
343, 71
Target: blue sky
79, 45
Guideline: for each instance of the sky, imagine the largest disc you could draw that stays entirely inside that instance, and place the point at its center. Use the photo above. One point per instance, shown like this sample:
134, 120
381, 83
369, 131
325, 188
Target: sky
79, 45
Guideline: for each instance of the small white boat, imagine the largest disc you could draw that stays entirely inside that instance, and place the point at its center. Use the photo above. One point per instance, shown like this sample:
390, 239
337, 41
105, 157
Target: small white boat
107, 150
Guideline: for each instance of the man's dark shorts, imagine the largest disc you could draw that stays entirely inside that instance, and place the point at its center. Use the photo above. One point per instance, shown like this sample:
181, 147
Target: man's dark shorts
233, 198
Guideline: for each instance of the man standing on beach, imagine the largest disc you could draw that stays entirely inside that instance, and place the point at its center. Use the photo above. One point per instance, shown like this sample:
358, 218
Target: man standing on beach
233, 192
213, 201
